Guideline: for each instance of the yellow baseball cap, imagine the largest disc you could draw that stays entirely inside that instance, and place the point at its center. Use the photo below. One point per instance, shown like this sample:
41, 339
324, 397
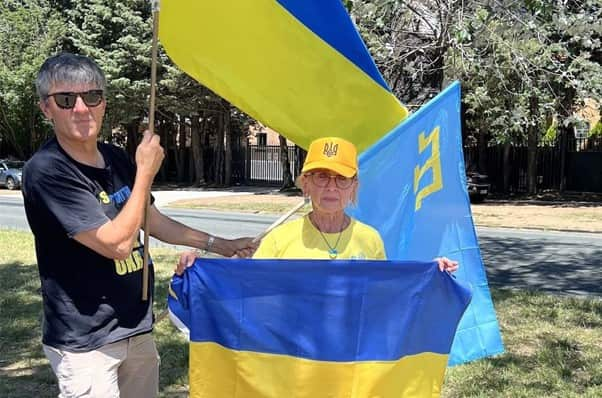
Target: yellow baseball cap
332, 153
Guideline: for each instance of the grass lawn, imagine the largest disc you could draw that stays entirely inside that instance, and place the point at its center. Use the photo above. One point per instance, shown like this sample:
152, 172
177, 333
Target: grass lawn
554, 344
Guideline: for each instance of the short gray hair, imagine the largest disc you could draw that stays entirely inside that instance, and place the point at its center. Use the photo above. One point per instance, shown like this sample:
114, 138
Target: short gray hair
68, 68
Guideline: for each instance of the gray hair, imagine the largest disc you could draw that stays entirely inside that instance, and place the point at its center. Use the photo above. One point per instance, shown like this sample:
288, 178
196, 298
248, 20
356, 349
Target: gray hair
68, 68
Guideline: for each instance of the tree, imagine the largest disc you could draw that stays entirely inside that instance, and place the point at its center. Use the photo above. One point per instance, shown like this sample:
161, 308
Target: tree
518, 72
287, 177
409, 41
117, 35
29, 33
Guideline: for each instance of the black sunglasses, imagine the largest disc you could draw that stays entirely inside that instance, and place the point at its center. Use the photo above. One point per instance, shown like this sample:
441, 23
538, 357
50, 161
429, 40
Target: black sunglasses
67, 100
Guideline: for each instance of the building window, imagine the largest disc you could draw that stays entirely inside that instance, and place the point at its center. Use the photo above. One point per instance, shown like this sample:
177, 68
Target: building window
262, 139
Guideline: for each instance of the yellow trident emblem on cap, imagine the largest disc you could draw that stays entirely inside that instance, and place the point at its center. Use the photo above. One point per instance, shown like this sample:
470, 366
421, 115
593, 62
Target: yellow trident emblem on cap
330, 149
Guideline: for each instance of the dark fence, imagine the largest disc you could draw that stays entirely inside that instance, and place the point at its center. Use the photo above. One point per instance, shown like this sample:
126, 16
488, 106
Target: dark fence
576, 161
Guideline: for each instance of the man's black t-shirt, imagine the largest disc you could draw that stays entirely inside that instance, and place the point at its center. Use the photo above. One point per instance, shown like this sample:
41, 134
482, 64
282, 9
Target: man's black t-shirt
89, 300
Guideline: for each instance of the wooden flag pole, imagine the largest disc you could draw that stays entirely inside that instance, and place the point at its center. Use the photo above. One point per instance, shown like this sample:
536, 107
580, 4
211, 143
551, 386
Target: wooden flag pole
151, 128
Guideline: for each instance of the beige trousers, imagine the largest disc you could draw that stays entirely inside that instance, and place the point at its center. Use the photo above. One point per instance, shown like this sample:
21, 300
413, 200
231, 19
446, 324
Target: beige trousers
126, 369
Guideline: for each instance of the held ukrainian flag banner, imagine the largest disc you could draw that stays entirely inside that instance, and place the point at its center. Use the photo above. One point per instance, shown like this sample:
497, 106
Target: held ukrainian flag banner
299, 67
311, 328
413, 190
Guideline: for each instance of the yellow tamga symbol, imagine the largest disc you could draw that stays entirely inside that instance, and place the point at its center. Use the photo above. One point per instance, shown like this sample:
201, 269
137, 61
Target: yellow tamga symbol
433, 163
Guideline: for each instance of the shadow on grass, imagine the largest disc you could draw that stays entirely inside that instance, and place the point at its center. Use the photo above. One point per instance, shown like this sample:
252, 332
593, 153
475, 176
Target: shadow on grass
170, 342
28, 381
23, 368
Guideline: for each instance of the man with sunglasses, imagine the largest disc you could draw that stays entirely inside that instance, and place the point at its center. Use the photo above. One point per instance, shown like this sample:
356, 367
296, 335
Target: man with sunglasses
85, 203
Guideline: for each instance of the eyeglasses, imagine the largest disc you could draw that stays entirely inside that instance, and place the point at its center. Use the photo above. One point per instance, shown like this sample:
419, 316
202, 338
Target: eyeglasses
321, 179
91, 98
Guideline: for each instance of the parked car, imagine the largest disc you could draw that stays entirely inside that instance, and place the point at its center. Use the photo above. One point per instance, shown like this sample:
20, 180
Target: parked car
10, 173
478, 186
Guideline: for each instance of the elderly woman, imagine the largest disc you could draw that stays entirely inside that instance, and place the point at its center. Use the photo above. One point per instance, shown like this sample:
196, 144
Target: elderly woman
329, 180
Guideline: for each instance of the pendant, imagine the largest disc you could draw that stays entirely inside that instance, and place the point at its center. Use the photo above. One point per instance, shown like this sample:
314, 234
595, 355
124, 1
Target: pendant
332, 253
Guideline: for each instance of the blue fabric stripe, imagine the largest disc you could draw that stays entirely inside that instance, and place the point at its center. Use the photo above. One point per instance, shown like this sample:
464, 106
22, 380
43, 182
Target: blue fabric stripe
329, 20
322, 310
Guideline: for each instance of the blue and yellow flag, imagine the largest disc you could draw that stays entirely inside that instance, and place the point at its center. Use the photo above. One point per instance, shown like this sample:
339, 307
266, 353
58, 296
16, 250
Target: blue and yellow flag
299, 67
416, 176
309, 328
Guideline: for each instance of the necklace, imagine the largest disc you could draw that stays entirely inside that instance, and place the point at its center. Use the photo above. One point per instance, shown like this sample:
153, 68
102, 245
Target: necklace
332, 250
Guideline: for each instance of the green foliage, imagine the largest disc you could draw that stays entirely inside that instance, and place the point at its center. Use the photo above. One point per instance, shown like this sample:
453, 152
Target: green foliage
550, 134
523, 65
520, 63
596, 131
117, 35
29, 32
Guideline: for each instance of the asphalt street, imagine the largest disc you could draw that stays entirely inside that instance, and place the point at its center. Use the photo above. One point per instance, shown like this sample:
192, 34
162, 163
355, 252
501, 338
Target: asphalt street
548, 261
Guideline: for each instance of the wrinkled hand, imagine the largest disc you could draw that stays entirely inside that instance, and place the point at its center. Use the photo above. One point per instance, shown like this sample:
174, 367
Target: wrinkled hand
445, 264
186, 260
242, 247
149, 155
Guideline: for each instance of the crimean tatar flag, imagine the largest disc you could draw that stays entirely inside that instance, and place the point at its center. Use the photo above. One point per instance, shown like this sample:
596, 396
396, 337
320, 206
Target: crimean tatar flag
299, 67
416, 176
317, 328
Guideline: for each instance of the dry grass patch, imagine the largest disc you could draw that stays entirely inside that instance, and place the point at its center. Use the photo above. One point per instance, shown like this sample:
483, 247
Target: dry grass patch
570, 216
540, 216
244, 203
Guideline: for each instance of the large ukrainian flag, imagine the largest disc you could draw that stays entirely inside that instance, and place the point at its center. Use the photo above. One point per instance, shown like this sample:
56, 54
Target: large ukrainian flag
307, 328
299, 67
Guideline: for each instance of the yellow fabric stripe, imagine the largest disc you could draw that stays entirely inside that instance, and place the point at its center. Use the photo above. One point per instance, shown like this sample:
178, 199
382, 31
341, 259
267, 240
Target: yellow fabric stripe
260, 58
216, 371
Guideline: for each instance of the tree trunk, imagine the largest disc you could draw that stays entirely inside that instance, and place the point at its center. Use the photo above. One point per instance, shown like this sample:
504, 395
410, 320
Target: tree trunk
287, 177
197, 149
132, 137
179, 150
219, 151
507, 167
482, 150
532, 133
564, 109
228, 147
162, 175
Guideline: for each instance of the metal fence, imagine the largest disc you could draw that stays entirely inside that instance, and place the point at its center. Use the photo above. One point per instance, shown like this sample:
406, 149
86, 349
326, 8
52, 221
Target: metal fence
263, 165
577, 161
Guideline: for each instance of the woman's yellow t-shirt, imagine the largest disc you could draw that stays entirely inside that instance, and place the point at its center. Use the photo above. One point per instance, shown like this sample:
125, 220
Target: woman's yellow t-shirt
299, 239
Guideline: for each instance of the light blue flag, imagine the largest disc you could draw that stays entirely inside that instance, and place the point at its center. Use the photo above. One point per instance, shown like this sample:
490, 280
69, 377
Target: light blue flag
413, 190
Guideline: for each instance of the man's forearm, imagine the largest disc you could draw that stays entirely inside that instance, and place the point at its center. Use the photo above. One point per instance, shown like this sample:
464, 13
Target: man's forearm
171, 231
115, 238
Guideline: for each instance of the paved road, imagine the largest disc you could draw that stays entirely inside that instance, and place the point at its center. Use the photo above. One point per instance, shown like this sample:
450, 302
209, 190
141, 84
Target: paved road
555, 262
